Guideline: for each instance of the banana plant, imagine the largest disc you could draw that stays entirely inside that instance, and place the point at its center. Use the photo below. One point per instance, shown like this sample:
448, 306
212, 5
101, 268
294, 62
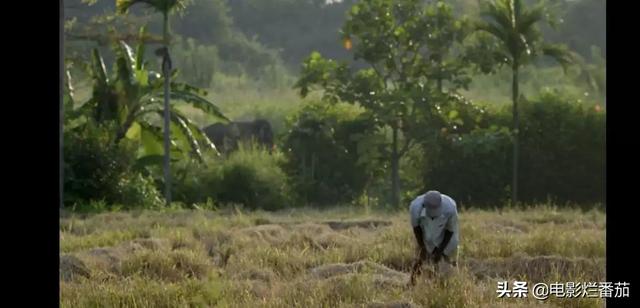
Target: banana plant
165, 7
132, 97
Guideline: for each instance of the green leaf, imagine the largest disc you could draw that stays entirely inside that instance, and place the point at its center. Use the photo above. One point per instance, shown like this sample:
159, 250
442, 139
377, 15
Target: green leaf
183, 87
198, 134
149, 160
125, 63
98, 69
399, 31
197, 102
161, 6
134, 132
560, 54
185, 136
140, 50
355, 9
151, 140
142, 77
68, 100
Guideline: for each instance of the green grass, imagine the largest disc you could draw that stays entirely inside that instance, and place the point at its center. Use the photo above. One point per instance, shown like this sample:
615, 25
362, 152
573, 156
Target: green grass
231, 258
495, 89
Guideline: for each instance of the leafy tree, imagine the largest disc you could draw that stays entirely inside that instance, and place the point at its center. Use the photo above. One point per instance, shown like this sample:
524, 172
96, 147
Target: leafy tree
445, 34
331, 154
395, 87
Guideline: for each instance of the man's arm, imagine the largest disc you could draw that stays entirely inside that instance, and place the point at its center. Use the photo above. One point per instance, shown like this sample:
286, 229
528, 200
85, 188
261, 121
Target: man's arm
452, 225
417, 231
439, 251
414, 210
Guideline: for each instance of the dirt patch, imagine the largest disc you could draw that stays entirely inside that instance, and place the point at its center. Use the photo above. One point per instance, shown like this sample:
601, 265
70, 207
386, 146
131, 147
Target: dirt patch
555, 218
333, 239
392, 305
256, 274
71, 267
311, 228
376, 281
535, 268
385, 282
110, 259
365, 224
270, 233
261, 221
217, 245
152, 243
256, 288
106, 258
336, 269
259, 289
507, 226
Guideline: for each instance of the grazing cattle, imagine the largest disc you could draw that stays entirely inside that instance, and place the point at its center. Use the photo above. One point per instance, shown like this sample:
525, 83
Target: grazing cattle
226, 137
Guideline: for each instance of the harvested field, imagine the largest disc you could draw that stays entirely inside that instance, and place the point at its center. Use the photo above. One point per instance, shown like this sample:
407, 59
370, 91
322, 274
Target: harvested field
319, 259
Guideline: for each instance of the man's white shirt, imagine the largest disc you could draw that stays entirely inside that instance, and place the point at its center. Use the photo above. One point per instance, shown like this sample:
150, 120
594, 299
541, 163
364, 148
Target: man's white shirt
433, 228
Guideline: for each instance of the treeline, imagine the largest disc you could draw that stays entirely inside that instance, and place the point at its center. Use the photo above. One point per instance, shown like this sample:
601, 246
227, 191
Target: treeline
246, 31
394, 115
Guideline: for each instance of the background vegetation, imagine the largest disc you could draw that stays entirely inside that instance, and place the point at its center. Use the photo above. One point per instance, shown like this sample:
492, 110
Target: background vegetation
372, 102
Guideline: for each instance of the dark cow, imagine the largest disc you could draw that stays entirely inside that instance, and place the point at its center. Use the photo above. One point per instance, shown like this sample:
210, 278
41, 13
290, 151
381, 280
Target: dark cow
227, 136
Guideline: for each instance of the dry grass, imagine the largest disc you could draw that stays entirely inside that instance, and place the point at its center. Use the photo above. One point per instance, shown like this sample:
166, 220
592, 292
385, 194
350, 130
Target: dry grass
307, 258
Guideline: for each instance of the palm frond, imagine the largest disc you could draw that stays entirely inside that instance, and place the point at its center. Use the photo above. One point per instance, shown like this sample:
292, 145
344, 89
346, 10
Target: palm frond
560, 54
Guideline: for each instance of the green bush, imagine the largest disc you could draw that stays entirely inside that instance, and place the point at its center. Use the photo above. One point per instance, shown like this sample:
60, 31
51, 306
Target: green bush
473, 168
562, 150
561, 155
250, 176
254, 178
331, 154
97, 170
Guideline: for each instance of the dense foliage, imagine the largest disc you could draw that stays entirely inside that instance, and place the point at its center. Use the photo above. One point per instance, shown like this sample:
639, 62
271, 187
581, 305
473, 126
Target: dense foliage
381, 101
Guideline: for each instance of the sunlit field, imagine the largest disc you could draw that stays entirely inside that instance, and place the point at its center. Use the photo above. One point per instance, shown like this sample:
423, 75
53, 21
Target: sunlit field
308, 258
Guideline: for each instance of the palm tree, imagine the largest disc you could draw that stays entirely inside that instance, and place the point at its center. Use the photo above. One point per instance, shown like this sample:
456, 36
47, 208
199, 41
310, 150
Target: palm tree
515, 27
60, 103
165, 7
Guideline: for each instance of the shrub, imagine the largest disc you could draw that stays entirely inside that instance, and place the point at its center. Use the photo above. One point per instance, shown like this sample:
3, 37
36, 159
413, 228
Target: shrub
96, 169
473, 167
254, 178
331, 154
562, 150
250, 176
561, 147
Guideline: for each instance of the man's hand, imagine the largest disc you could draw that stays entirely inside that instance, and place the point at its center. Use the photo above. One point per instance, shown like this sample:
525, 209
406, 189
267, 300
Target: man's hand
437, 255
416, 269
439, 251
422, 256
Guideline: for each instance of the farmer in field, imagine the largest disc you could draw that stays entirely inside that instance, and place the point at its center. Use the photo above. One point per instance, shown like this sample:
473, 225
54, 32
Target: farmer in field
434, 219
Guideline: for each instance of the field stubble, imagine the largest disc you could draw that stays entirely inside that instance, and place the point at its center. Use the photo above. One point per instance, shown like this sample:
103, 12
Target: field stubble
310, 258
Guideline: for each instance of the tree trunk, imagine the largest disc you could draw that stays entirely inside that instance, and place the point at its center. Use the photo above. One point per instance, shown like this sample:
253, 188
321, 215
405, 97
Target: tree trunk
61, 104
516, 136
166, 72
395, 176
313, 165
439, 78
